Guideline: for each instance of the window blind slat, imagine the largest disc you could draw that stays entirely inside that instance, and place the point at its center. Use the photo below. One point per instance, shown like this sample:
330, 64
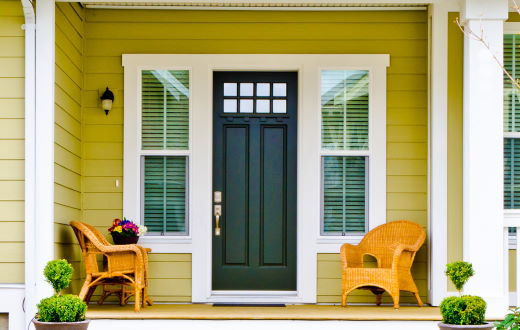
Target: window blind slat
511, 123
165, 187
344, 194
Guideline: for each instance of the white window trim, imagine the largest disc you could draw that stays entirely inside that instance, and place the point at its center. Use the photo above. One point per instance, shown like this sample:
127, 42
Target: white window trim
132, 184
376, 154
309, 242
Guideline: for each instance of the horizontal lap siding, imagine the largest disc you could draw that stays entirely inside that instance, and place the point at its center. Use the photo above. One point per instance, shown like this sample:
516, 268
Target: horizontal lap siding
67, 134
403, 35
11, 142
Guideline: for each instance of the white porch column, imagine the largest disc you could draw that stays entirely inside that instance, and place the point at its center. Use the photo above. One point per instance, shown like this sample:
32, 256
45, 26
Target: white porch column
44, 145
483, 153
438, 222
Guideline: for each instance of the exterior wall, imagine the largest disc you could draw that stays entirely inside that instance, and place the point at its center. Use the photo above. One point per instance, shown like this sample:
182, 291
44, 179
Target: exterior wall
67, 168
11, 142
111, 33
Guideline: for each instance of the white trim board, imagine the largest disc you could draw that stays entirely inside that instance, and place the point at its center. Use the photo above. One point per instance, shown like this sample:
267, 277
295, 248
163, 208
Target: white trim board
309, 242
12, 302
438, 154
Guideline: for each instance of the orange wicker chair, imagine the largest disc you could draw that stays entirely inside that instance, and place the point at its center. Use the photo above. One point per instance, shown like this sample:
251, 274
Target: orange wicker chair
394, 246
127, 264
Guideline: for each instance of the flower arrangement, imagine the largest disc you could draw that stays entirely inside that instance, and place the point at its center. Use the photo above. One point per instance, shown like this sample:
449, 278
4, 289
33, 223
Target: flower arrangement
126, 231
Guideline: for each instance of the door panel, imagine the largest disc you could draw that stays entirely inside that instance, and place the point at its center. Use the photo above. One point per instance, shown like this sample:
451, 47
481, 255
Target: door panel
273, 202
255, 169
237, 169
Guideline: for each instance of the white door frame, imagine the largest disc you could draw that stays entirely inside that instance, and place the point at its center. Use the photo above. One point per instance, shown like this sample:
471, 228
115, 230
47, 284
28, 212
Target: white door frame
309, 242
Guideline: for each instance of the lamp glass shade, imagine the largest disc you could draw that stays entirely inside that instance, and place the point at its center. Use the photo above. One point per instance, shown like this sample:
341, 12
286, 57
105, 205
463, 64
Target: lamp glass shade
106, 105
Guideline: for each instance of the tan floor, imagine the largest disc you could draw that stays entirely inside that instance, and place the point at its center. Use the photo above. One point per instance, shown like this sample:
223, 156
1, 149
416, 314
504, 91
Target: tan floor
291, 312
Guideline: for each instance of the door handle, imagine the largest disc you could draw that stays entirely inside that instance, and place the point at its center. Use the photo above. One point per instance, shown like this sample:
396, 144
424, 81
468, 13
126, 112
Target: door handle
217, 212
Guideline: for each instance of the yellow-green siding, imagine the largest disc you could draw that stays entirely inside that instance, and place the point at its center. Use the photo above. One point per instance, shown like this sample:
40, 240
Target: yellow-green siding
11, 142
403, 35
67, 131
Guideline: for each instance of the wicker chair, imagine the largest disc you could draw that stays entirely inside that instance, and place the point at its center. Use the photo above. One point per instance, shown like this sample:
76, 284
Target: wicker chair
126, 264
394, 246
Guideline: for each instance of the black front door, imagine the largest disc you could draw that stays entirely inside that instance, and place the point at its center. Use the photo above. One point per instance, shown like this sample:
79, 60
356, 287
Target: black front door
254, 180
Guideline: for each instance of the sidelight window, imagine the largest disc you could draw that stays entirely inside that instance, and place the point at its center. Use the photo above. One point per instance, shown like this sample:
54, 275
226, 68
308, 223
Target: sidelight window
165, 105
345, 151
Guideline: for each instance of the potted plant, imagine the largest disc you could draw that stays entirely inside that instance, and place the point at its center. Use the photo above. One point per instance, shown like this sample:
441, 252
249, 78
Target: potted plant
126, 231
60, 311
463, 311
511, 321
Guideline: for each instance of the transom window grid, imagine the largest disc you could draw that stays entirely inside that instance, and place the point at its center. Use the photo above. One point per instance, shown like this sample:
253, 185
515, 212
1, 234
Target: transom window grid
255, 99
345, 152
164, 155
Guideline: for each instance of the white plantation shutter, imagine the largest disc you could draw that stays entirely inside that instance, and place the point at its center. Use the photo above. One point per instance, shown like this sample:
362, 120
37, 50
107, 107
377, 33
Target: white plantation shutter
165, 103
345, 131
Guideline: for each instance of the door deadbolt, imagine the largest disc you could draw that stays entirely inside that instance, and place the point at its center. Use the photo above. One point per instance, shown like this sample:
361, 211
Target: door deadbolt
217, 197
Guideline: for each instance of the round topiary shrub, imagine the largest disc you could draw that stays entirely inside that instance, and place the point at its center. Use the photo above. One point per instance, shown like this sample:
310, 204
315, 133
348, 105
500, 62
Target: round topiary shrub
465, 310
64, 308
60, 308
58, 273
459, 273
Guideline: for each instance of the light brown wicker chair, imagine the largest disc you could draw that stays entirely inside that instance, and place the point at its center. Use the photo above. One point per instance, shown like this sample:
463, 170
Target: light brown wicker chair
127, 264
394, 246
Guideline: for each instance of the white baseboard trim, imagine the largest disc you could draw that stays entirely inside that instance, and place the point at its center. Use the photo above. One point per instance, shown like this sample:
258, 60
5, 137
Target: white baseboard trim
12, 303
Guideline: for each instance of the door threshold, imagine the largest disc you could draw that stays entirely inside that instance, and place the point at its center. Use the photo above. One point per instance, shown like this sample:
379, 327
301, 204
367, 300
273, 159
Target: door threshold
247, 305
254, 297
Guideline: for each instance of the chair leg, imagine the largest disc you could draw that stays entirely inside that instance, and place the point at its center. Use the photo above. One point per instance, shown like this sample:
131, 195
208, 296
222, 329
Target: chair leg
395, 297
344, 299
378, 299
419, 301
137, 297
85, 288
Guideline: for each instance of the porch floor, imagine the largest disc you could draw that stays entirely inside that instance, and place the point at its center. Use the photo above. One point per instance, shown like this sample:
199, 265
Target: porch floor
290, 312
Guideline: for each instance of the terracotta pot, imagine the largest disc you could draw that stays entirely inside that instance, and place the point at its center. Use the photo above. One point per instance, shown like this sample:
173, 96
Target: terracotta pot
485, 326
121, 240
82, 325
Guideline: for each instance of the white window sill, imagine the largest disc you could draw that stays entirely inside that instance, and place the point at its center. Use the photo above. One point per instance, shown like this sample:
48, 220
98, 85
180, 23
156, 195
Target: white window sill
167, 244
332, 244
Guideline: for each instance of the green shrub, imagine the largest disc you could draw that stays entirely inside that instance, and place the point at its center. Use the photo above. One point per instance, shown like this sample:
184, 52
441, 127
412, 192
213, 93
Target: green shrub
459, 272
58, 273
64, 308
465, 310
511, 321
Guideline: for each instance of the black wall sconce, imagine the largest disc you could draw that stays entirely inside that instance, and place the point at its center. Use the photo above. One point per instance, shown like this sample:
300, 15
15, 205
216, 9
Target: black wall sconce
107, 99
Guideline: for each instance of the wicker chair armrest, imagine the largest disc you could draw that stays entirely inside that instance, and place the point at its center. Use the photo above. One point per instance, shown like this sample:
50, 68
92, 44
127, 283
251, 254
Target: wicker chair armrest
351, 255
109, 249
399, 249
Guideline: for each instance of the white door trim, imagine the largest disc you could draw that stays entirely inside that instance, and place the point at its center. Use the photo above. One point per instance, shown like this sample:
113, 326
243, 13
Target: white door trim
308, 205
